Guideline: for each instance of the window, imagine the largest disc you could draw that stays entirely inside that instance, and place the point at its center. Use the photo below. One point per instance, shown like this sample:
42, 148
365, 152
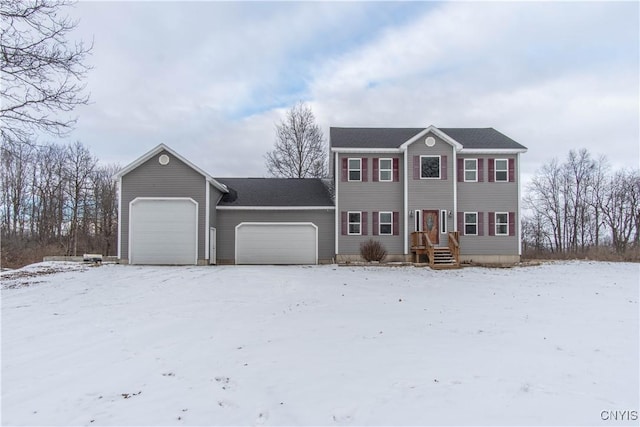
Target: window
386, 223
355, 223
430, 167
386, 170
355, 169
502, 223
470, 170
502, 170
443, 221
418, 220
471, 223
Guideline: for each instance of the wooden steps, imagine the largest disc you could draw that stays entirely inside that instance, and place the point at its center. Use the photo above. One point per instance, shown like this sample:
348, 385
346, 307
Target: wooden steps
443, 259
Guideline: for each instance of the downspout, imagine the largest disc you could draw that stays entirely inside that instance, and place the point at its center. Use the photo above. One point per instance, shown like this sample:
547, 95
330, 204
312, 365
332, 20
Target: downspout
406, 203
455, 190
337, 210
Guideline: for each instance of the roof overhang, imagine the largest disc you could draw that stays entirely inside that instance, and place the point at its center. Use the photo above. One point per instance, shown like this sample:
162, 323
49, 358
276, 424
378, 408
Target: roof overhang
435, 131
162, 147
275, 208
365, 150
493, 150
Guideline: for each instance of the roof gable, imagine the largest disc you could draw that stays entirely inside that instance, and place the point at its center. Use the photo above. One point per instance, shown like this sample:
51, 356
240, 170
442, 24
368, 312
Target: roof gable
400, 138
158, 149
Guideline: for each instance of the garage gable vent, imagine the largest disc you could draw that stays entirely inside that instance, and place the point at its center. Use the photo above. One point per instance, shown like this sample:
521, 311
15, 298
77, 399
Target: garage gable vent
163, 159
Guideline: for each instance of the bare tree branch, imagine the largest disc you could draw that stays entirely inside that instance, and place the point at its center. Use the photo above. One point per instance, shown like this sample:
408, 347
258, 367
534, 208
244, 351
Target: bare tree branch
299, 150
41, 69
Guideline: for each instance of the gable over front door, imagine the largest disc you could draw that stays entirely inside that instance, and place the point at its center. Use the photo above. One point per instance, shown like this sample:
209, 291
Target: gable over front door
430, 225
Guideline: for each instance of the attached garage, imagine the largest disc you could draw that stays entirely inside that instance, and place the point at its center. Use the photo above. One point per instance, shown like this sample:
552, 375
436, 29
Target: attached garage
163, 231
276, 243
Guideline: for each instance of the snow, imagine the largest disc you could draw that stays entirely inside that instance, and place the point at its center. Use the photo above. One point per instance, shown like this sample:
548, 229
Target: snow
554, 344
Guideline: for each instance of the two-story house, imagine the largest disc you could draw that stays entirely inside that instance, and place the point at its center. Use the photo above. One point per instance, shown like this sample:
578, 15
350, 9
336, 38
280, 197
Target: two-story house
424, 192
411, 188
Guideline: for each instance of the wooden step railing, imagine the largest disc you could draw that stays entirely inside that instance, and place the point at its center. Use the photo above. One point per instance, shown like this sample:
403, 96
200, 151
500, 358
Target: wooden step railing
421, 244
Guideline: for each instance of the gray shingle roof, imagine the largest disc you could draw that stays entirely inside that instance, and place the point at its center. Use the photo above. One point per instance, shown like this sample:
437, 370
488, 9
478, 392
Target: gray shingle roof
275, 192
483, 138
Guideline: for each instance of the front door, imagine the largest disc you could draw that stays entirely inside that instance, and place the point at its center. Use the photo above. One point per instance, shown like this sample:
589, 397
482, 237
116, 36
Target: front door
430, 225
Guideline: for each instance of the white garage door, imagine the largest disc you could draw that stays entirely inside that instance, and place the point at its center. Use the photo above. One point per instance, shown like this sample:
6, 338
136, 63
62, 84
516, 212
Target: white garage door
163, 231
276, 243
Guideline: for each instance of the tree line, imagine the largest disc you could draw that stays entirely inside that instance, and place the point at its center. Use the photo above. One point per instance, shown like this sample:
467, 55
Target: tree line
56, 200
581, 207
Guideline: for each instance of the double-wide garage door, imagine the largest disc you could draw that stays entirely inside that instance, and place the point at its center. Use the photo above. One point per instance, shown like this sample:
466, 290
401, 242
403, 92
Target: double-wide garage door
276, 243
163, 231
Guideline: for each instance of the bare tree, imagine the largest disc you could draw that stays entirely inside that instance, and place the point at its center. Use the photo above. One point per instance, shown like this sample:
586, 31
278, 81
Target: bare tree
299, 150
42, 70
79, 168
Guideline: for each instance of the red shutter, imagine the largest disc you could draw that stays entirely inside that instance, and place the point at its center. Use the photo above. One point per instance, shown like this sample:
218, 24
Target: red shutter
376, 169
396, 223
365, 169
416, 167
344, 223
460, 170
443, 168
512, 170
345, 169
480, 223
492, 223
396, 170
363, 224
512, 223
492, 170
480, 170
374, 219
461, 223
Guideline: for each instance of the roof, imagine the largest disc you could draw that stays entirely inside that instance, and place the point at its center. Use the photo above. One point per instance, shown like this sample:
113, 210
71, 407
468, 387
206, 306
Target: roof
377, 138
160, 148
270, 192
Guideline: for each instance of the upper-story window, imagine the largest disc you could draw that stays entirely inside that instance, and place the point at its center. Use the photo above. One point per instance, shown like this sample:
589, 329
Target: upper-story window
386, 170
355, 169
502, 170
470, 170
430, 167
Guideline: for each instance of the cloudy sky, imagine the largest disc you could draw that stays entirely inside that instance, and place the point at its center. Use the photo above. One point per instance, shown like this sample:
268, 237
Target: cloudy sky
211, 79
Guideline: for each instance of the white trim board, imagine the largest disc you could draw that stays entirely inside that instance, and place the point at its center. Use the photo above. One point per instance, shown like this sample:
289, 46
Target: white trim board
275, 208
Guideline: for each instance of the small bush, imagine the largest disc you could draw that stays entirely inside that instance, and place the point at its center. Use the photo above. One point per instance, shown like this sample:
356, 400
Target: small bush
373, 250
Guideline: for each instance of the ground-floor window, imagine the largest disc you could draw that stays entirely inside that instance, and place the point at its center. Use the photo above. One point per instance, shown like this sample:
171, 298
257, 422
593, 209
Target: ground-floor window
471, 223
502, 223
355, 223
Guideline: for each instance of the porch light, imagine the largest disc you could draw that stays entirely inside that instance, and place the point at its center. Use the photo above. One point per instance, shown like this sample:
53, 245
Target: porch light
450, 214
410, 214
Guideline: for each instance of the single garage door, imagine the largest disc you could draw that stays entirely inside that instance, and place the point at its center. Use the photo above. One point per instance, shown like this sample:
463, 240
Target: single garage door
277, 243
163, 231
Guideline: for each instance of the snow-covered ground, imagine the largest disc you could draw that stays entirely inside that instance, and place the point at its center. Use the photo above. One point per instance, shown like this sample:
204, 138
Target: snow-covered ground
555, 344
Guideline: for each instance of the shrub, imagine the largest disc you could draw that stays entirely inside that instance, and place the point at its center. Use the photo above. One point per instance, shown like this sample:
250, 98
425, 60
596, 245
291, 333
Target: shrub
373, 250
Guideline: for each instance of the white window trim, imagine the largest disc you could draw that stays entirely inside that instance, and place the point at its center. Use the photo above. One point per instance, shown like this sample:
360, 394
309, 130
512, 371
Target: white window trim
349, 169
390, 223
349, 223
495, 222
475, 170
464, 223
443, 221
418, 220
439, 167
495, 170
390, 169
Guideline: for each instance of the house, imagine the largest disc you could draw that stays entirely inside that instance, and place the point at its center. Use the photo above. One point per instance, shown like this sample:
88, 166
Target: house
444, 194
421, 191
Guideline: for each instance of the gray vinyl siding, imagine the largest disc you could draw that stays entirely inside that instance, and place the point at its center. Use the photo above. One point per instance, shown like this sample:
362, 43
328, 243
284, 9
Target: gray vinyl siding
214, 196
370, 197
227, 220
431, 194
489, 197
151, 179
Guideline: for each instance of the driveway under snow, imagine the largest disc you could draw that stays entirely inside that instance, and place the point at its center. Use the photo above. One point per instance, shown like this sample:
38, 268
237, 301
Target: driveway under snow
125, 345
